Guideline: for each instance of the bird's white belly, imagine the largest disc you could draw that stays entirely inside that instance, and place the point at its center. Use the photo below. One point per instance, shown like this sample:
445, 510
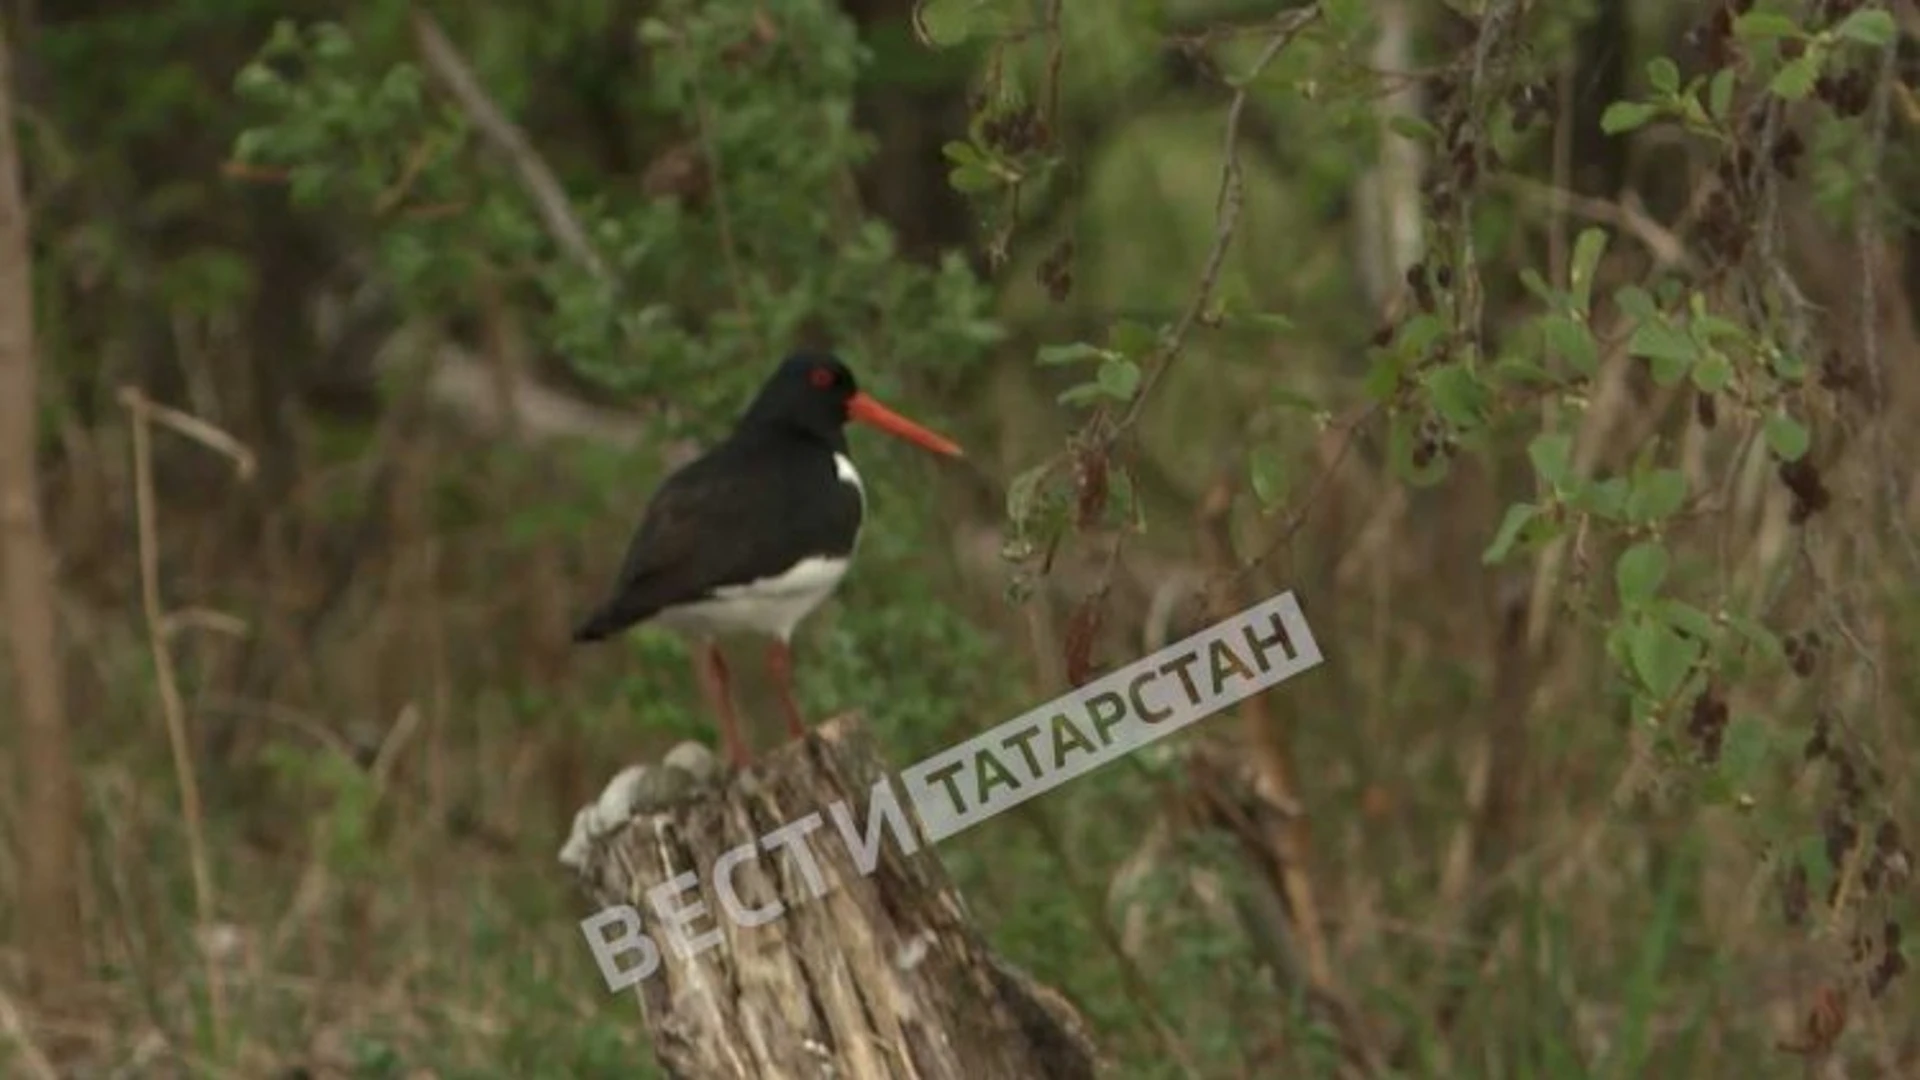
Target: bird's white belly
771, 606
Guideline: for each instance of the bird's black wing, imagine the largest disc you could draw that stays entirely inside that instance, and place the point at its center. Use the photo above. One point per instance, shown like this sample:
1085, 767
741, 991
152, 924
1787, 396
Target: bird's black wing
723, 519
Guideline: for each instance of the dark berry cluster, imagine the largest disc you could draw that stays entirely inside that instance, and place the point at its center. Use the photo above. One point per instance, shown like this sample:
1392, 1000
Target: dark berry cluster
1848, 93
1891, 965
1016, 131
1810, 495
1840, 374
1706, 409
1432, 441
1707, 725
1803, 652
1055, 272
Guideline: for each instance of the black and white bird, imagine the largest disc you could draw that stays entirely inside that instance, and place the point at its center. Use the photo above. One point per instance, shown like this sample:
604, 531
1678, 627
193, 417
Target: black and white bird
756, 533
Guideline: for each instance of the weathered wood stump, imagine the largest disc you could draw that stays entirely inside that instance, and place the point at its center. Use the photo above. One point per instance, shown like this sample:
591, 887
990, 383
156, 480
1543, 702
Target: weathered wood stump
787, 923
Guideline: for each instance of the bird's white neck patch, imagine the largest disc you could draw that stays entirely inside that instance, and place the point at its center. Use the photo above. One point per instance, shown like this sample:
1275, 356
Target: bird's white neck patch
843, 467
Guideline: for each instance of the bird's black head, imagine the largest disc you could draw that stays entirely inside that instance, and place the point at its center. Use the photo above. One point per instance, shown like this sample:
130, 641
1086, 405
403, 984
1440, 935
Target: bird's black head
815, 395
808, 392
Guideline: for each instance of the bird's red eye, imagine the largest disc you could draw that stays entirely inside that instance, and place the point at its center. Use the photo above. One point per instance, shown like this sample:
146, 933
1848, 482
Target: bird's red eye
820, 377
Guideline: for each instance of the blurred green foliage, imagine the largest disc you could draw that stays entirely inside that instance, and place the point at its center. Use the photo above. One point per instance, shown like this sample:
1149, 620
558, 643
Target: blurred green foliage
1095, 125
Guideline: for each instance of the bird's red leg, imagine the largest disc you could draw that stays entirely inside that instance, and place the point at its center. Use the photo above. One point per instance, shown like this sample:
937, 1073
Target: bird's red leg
780, 663
713, 682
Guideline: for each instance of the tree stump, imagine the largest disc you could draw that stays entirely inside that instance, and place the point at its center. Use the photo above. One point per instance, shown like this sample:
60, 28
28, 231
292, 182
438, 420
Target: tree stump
787, 923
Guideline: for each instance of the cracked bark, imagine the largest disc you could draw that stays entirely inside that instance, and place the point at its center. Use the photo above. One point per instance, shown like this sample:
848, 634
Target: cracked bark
880, 975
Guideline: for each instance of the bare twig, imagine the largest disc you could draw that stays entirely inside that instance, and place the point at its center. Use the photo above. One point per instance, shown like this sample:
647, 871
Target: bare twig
1227, 217
1283, 836
549, 198
201, 432
30, 1056
315, 882
1627, 215
143, 413
722, 214
1132, 979
1349, 427
1867, 243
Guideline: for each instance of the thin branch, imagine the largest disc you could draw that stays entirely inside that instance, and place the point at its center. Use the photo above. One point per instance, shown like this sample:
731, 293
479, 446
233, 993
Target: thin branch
214, 439
1867, 243
1350, 427
1133, 981
143, 413
716, 179
549, 198
1227, 216
32, 1058
1627, 215
315, 883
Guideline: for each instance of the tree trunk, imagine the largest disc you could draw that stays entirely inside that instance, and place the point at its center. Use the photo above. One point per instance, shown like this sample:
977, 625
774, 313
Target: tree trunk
857, 976
49, 827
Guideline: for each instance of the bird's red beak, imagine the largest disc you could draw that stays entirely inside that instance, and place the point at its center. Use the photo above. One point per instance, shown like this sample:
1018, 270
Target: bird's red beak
867, 411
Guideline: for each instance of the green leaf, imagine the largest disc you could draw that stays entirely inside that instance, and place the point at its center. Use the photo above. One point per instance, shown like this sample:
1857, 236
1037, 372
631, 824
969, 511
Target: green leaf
1418, 333
1518, 515
1587, 249
1119, 377
961, 152
1661, 657
1604, 498
1292, 399
1383, 376
1634, 300
1413, 127
1266, 320
1522, 369
1457, 395
1708, 327
1868, 26
1656, 495
1130, 337
1668, 350
1664, 76
1795, 81
1639, 572
1071, 352
1761, 638
1573, 341
1686, 618
1552, 456
1712, 373
1759, 25
972, 178
1744, 750
946, 23
1720, 92
1081, 394
1538, 286
1023, 493
1268, 470
1787, 436
1624, 116
1658, 339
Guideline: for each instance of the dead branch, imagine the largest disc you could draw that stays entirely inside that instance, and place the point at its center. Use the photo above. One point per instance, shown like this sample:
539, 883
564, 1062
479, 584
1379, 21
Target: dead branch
549, 198
50, 804
143, 414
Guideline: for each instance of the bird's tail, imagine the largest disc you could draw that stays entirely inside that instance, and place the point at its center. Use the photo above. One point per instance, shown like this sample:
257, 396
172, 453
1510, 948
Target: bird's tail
613, 617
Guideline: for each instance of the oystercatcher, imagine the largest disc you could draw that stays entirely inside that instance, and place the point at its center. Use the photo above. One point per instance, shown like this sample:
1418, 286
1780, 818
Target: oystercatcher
753, 535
